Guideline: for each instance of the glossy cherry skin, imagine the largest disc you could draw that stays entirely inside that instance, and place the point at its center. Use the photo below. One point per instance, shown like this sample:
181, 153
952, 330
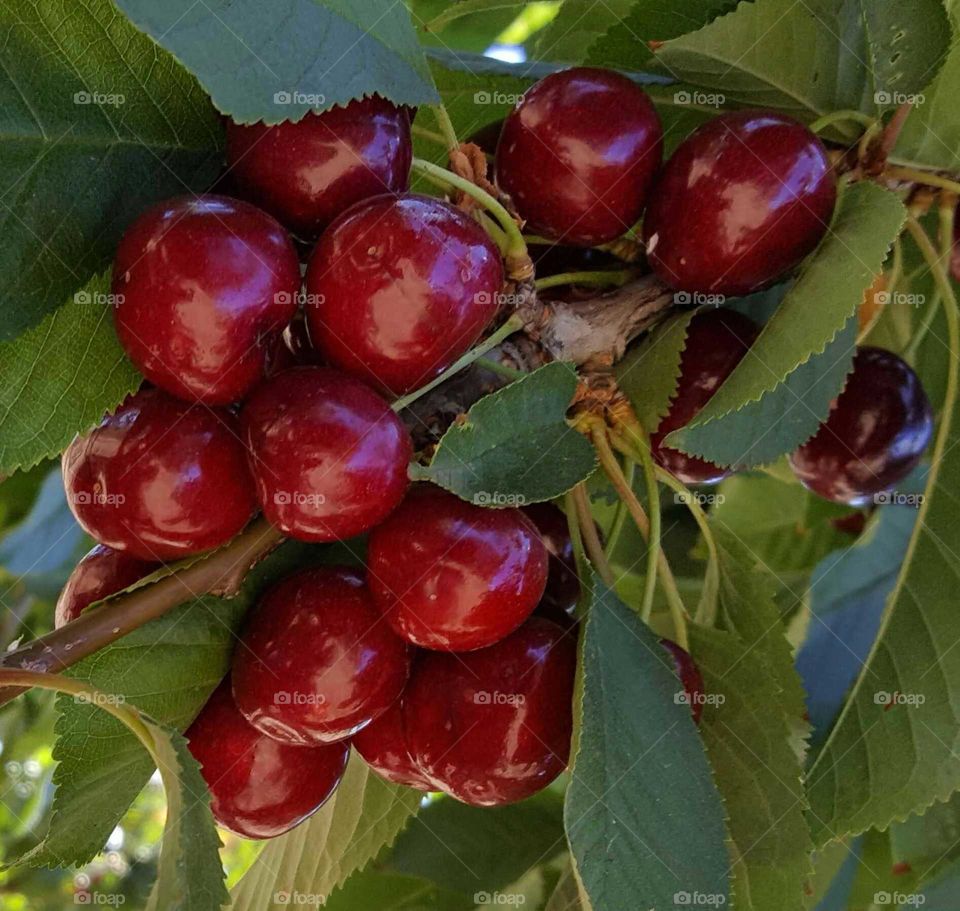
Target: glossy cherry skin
316, 662
717, 341
203, 286
307, 173
383, 746
874, 436
578, 155
402, 285
563, 585
493, 726
690, 677
160, 479
740, 202
328, 455
259, 787
452, 576
102, 572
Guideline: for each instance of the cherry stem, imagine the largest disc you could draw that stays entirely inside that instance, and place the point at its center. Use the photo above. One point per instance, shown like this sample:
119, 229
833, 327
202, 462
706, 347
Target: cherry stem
819, 125
432, 135
620, 517
591, 540
488, 363
494, 339
519, 266
917, 176
491, 227
611, 277
448, 133
221, 573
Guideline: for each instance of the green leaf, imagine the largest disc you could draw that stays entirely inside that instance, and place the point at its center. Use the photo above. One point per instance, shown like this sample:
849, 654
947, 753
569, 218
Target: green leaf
277, 61
566, 894
648, 373
364, 815
60, 378
372, 889
515, 444
808, 59
642, 813
98, 123
886, 759
928, 843
578, 24
817, 307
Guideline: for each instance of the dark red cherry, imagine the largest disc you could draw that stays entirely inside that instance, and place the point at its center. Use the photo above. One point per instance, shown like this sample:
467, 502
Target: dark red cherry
874, 436
452, 576
102, 572
717, 340
316, 662
307, 173
563, 585
383, 746
493, 726
203, 286
578, 154
160, 479
402, 286
690, 677
259, 787
328, 455
740, 202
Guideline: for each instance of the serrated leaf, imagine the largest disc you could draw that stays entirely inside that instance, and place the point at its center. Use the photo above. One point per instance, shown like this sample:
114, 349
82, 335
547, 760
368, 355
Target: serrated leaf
577, 25
807, 59
648, 373
277, 61
372, 889
515, 443
60, 378
643, 816
783, 418
98, 123
817, 307
364, 815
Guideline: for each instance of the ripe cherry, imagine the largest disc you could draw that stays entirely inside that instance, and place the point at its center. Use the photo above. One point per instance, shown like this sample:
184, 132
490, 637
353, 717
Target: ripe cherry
717, 341
203, 286
307, 173
740, 202
160, 479
383, 746
452, 576
316, 662
328, 455
259, 787
690, 677
493, 726
874, 436
563, 585
402, 285
578, 154
102, 572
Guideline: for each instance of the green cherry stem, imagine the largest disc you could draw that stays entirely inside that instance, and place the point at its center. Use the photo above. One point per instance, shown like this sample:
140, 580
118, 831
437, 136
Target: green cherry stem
448, 133
620, 517
588, 532
610, 277
924, 177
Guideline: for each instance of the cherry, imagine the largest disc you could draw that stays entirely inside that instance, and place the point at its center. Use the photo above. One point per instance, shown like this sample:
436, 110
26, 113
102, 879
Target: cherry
717, 340
403, 286
493, 726
690, 677
874, 436
315, 662
578, 154
563, 585
383, 746
259, 787
307, 173
101, 573
740, 202
202, 287
160, 479
328, 455
452, 576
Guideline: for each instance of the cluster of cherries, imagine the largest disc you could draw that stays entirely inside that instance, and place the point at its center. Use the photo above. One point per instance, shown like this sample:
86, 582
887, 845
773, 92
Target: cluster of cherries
448, 663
